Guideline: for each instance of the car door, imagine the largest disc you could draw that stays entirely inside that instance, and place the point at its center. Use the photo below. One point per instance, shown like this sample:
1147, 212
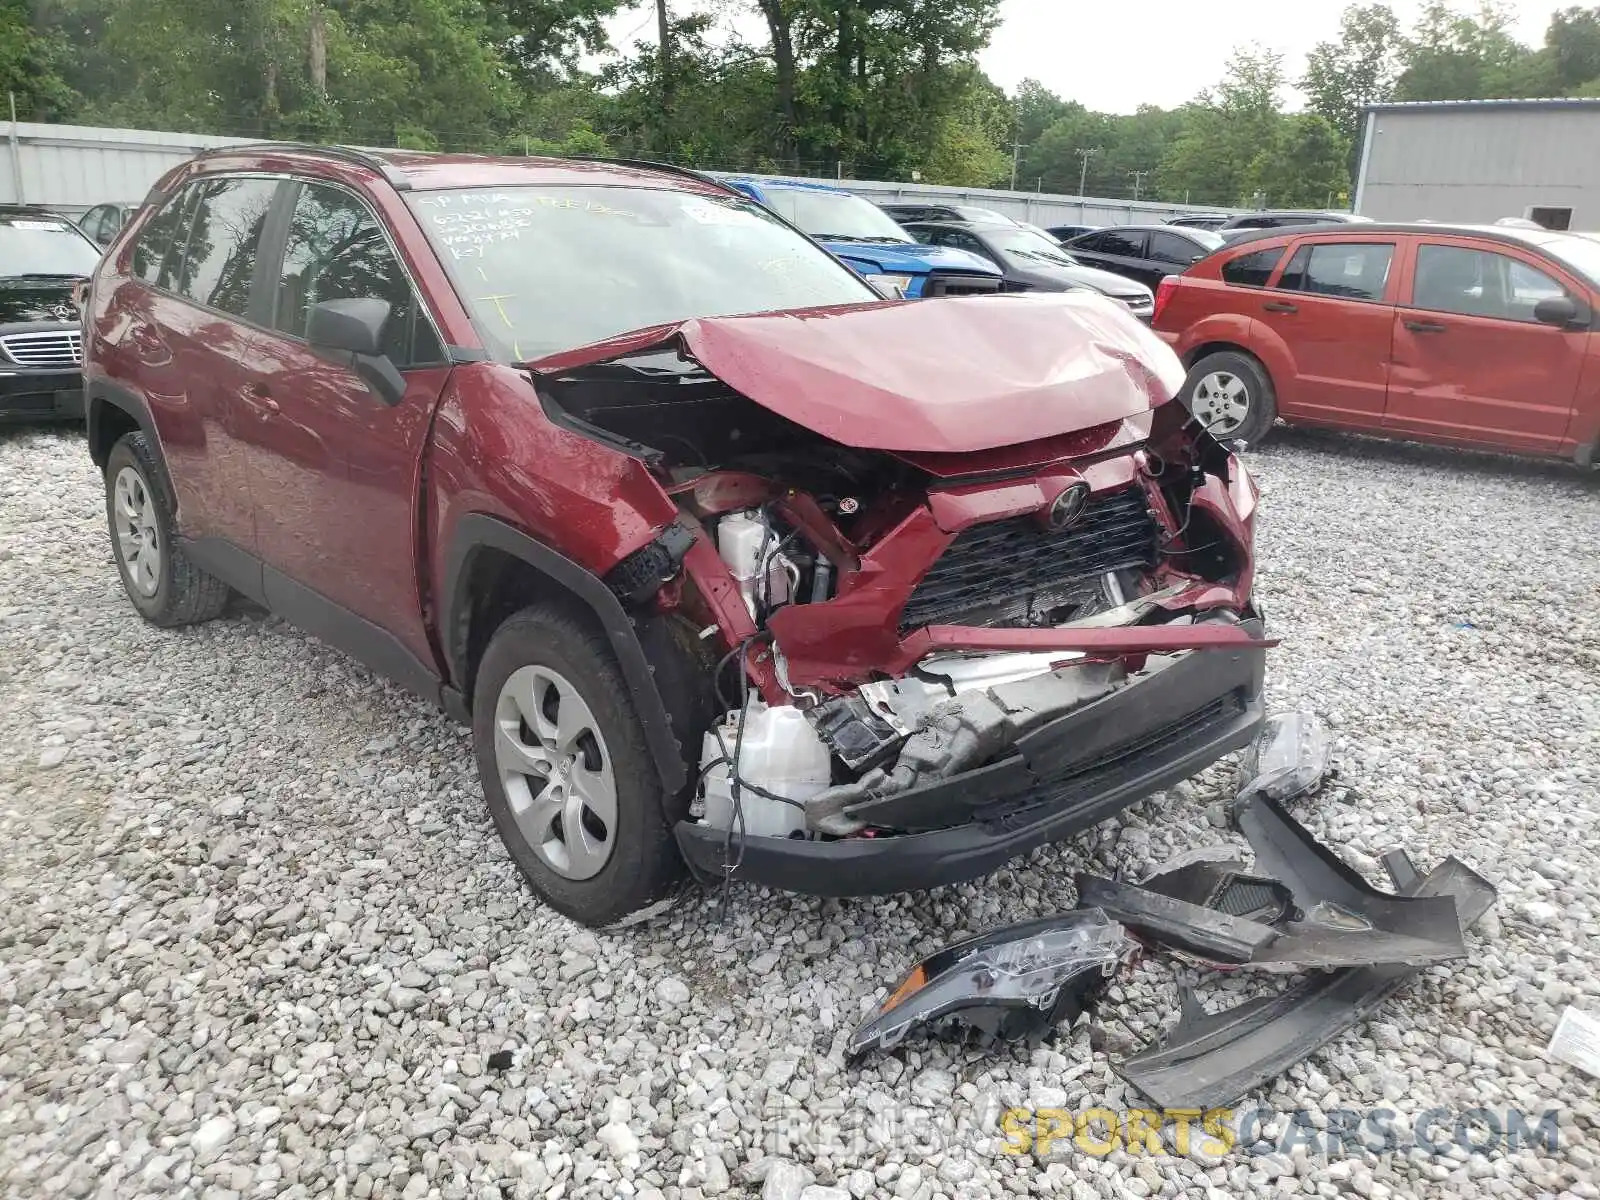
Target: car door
190, 349
1118, 250
1471, 362
98, 224
1168, 254
336, 471
1331, 308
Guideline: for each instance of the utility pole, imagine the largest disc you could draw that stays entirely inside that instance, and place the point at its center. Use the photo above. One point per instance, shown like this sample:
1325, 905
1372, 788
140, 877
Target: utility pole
1016, 153
1138, 179
1083, 172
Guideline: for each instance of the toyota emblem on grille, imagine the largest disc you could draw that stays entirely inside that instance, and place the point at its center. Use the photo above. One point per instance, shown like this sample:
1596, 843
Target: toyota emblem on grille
1069, 506
61, 312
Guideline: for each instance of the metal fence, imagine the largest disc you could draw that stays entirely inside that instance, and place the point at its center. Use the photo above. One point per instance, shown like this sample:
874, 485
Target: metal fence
70, 168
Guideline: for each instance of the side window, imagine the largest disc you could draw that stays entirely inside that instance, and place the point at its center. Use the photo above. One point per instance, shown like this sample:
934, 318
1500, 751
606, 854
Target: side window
965, 241
1253, 269
224, 236
93, 223
336, 251
1479, 283
162, 233
1352, 270
1170, 248
1110, 241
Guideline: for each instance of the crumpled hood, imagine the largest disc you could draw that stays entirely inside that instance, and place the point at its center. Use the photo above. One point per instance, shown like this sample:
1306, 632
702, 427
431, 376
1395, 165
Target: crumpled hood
951, 375
911, 258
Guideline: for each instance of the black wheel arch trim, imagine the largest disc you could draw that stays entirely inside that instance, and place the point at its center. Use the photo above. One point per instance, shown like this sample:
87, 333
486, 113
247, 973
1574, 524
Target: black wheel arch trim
102, 392
477, 532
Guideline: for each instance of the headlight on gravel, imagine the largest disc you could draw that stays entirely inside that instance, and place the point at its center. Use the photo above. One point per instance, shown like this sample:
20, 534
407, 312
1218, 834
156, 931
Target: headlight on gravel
1006, 983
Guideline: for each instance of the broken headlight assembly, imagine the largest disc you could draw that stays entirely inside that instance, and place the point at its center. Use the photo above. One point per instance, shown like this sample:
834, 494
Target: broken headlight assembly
1007, 984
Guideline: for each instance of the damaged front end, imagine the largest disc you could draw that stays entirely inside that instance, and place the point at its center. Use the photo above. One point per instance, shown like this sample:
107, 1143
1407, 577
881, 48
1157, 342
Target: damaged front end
964, 606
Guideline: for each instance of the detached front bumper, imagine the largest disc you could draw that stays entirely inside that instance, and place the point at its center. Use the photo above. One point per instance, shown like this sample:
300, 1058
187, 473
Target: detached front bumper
1063, 777
39, 394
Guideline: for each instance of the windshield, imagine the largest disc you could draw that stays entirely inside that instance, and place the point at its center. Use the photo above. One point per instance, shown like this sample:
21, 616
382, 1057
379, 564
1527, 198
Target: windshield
1024, 245
835, 216
44, 245
543, 269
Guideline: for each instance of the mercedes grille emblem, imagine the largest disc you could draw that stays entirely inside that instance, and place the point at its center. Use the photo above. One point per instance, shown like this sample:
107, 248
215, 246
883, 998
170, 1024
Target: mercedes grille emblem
61, 312
1069, 506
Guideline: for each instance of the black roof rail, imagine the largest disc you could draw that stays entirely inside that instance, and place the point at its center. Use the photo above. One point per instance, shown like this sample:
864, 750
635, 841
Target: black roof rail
665, 168
393, 175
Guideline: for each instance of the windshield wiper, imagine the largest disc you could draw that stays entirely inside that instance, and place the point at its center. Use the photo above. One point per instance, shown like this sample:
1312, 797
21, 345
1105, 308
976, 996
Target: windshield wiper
861, 237
49, 275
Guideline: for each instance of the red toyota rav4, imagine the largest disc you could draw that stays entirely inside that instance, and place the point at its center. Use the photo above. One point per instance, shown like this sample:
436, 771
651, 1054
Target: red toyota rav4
853, 596
1470, 336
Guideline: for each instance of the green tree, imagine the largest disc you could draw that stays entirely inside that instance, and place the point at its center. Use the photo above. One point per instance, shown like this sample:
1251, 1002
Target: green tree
1459, 56
1304, 166
30, 66
1342, 77
1214, 160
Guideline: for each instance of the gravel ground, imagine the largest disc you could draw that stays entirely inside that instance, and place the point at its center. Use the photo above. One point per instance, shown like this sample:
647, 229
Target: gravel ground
257, 936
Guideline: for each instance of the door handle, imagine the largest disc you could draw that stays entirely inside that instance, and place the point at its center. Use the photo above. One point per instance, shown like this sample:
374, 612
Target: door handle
257, 396
1282, 306
1425, 327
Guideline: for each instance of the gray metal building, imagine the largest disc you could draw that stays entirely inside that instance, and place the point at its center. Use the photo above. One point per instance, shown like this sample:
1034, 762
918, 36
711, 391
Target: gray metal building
1481, 161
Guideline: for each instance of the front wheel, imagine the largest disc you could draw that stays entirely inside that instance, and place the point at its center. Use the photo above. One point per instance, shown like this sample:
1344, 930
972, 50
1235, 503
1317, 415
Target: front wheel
566, 771
1231, 394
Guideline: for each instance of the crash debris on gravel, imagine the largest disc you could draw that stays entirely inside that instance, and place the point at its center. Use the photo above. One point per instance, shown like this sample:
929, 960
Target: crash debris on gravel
1304, 909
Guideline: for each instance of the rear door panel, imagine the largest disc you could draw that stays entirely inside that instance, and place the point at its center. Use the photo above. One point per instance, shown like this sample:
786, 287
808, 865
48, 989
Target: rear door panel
1338, 343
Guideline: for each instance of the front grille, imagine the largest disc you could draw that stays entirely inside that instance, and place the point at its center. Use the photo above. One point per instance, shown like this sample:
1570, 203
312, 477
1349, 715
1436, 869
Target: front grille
52, 348
1018, 572
942, 284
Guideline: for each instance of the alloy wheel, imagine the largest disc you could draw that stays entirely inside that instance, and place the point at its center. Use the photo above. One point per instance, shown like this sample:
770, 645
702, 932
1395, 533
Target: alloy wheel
1221, 402
556, 771
138, 534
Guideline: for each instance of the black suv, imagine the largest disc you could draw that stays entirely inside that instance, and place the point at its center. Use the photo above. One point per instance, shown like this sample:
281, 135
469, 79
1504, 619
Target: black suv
42, 256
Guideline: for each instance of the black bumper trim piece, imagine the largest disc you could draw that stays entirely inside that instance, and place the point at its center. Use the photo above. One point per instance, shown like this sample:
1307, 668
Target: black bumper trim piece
1211, 1060
883, 866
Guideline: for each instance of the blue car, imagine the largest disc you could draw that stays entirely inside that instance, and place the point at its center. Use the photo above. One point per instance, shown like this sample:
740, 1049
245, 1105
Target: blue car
866, 238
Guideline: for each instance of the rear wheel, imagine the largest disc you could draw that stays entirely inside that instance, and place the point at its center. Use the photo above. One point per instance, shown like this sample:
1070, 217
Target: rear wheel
1232, 395
566, 772
158, 577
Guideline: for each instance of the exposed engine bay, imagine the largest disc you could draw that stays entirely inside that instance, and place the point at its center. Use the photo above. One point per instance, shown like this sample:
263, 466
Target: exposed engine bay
893, 620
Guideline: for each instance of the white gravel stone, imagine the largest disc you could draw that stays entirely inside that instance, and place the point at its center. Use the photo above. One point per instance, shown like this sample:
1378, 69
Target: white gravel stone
258, 936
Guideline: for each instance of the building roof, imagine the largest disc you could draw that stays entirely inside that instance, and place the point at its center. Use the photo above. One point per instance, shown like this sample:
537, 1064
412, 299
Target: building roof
1567, 102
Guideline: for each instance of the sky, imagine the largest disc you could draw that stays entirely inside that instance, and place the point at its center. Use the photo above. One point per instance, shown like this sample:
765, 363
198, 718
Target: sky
1162, 52
1115, 57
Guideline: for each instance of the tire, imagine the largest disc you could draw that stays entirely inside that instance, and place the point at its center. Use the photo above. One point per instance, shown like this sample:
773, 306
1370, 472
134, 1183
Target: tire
1232, 393
166, 588
592, 852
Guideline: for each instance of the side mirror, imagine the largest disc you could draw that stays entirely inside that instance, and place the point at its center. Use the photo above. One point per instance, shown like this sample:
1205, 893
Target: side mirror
352, 331
1560, 310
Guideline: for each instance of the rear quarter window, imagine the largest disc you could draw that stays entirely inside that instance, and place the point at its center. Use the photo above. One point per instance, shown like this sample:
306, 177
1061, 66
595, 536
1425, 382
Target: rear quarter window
1253, 269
